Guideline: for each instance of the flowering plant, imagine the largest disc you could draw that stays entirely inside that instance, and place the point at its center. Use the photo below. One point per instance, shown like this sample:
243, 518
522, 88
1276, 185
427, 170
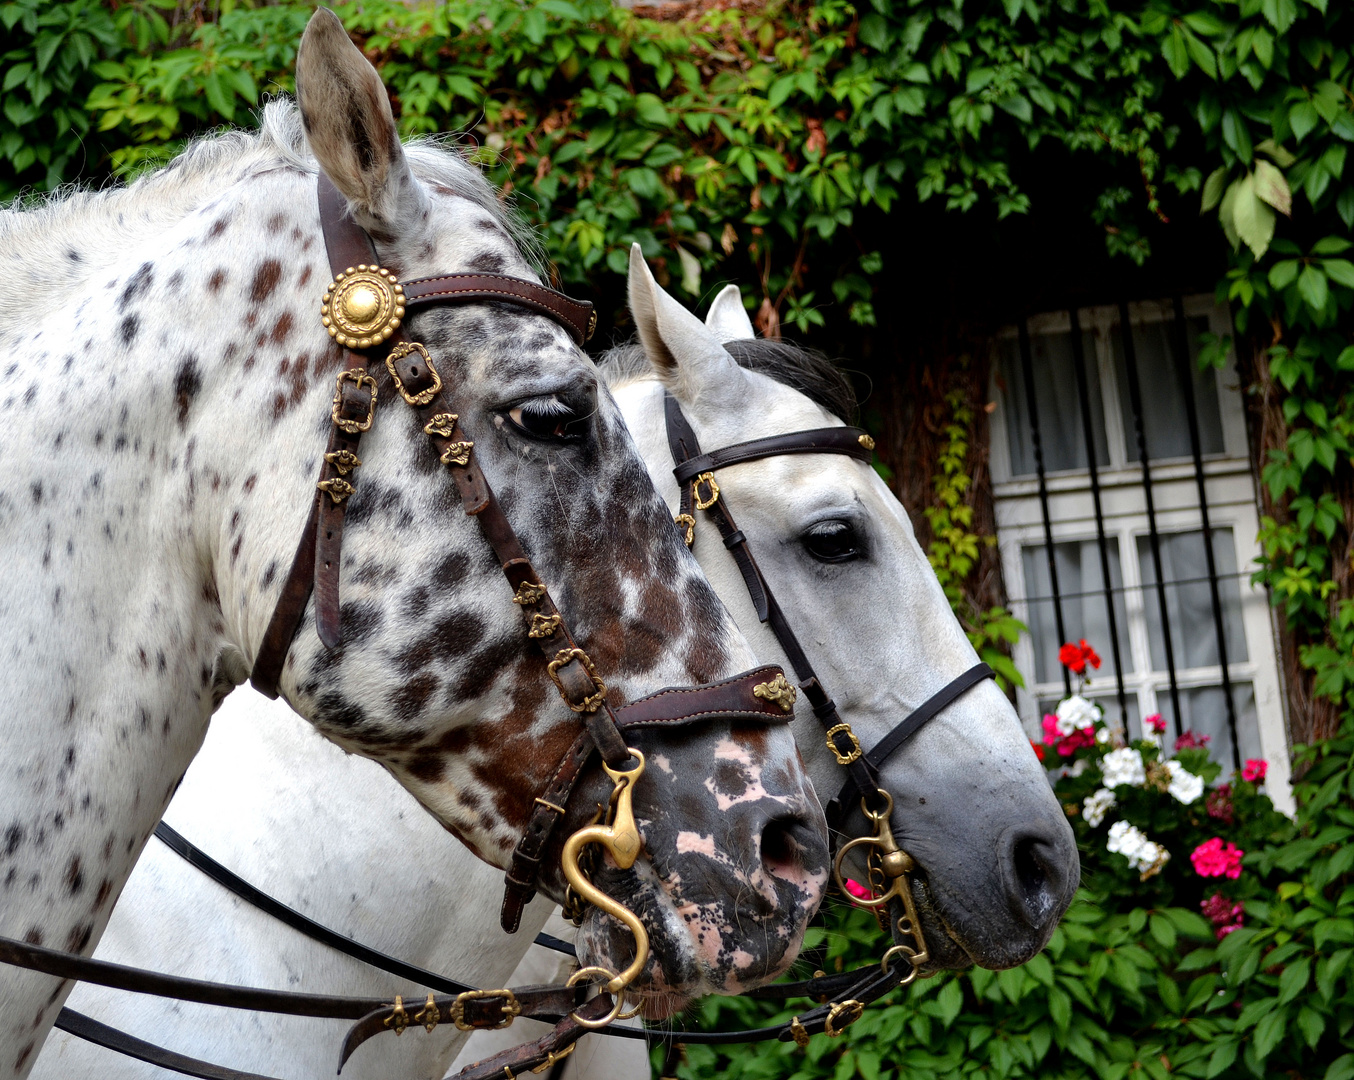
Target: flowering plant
1150, 824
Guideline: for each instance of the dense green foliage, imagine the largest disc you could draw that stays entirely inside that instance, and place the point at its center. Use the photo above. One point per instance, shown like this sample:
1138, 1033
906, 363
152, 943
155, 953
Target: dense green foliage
767, 144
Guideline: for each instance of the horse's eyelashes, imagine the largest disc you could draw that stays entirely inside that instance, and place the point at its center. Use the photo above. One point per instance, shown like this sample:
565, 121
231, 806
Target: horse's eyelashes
833, 541
548, 418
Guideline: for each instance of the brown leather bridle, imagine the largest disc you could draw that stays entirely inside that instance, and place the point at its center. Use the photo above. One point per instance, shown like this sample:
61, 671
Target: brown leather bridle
375, 294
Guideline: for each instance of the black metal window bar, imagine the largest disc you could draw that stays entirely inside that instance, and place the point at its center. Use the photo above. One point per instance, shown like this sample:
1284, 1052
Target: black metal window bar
1181, 361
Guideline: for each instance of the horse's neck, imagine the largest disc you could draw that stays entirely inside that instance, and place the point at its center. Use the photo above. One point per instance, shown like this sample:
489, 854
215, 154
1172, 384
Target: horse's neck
133, 430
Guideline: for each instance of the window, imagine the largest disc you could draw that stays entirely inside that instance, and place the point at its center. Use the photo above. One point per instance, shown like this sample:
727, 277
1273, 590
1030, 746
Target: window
1093, 546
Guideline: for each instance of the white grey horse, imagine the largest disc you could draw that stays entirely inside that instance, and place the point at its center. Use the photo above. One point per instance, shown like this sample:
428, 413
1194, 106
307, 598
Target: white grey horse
166, 401
971, 800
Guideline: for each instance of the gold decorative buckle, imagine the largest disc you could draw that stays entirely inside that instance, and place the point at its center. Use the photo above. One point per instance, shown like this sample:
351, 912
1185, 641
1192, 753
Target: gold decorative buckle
399, 352
801, 1036
443, 424
345, 461
851, 1009
592, 325
843, 759
510, 1009
866, 441
528, 593
593, 701
360, 379
398, 1020
777, 690
337, 489
707, 478
429, 1016
544, 626
458, 453
363, 306
688, 524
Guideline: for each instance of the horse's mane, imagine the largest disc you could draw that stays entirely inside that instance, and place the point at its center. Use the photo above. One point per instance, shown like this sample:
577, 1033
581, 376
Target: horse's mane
796, 366
55, 241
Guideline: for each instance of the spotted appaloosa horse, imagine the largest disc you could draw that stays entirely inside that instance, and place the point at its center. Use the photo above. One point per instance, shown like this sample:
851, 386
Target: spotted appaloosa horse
166, 399
998, 859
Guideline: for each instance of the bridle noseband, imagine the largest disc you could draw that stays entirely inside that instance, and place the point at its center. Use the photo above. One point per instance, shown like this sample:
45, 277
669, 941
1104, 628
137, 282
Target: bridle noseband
890, 866
364, 310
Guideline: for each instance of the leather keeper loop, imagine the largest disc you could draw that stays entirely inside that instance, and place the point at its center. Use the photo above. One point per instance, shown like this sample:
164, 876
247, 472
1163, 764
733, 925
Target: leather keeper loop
734, 539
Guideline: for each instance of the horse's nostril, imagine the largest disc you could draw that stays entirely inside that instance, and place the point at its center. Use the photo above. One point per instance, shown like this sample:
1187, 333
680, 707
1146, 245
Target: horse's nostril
781, 851
1037, 876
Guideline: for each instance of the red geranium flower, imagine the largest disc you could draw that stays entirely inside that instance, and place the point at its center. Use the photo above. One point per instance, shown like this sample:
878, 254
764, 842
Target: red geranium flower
1254, 770
1156, 723
1038, 750
1076, 657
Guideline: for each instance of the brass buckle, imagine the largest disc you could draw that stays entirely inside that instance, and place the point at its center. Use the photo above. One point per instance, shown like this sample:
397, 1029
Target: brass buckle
688, 525
707, 478
510, 1009
851, 1009
843, 759
399, 352
593, 701
358, 378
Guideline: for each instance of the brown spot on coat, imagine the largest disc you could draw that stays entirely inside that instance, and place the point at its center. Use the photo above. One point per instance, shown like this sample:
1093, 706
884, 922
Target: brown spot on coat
266, 278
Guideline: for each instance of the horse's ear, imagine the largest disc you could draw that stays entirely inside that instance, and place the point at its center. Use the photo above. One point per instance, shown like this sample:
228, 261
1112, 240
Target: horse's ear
728, 318
686, 354
351, 129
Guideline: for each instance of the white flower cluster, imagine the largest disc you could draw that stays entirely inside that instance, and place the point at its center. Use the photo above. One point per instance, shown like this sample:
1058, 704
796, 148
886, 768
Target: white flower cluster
1142, 854
1184, 785
1123, 766
1096, 805
1076, 714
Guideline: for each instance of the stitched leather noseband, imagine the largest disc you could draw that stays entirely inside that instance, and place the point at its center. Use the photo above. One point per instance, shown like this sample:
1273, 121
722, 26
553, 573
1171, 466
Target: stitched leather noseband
364, 309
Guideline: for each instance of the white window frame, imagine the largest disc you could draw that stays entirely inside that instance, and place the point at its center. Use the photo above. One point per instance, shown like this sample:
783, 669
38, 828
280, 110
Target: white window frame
1230, 488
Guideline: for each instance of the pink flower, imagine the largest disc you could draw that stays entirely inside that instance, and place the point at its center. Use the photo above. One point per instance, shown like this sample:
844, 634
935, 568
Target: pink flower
1067, 745
1224, 914
1214, 859
1254, 770
1219, 804
1050, 729
856, 889
1156, 723
1190, 741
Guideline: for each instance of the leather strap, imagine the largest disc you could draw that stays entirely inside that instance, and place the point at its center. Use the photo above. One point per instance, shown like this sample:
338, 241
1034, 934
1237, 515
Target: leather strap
875, 758
577, 316
110, 1038
832, 440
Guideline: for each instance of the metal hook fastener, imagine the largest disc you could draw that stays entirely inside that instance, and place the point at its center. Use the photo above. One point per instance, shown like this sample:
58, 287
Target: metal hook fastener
895, 864
621, 839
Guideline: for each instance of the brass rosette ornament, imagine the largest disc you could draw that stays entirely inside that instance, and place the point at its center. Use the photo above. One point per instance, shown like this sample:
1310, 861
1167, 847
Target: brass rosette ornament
363, 306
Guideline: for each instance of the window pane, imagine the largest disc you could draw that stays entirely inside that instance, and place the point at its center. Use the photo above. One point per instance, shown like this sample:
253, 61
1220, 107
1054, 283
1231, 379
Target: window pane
1085, 614
1205, 713
1189, 607
1165, 418
1055, 385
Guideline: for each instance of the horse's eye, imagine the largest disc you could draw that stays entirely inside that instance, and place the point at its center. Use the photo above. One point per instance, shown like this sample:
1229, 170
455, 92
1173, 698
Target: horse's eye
832, 541
548, 418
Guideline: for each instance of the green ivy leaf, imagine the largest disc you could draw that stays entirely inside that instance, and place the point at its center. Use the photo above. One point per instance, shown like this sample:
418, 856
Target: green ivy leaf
1313, 287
